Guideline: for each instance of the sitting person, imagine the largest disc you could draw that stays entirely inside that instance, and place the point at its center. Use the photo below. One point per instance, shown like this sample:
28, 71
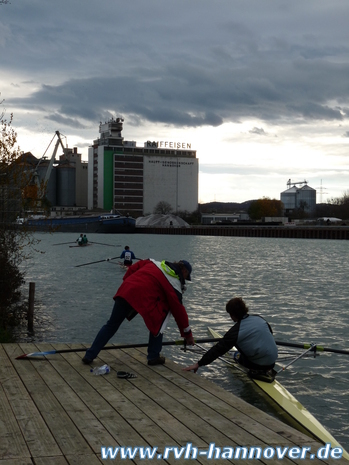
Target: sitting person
128, 256
251, 335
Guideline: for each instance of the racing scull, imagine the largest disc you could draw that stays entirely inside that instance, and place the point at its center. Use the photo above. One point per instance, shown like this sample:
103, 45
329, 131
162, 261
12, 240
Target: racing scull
301, 417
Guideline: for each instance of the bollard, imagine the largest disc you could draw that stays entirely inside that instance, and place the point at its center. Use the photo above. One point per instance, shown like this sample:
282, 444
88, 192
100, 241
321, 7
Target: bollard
31, 306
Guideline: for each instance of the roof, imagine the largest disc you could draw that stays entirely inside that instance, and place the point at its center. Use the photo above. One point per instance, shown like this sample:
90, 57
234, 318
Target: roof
329, 218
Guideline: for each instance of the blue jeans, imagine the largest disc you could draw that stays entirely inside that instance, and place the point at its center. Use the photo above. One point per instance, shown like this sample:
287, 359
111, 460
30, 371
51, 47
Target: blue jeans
120, 311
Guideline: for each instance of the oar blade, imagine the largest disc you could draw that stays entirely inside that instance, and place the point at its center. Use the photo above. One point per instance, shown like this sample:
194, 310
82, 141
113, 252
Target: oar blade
315, 347
36, 354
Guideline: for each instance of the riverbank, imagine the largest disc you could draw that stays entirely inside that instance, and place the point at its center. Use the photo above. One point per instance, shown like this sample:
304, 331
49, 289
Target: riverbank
290, 232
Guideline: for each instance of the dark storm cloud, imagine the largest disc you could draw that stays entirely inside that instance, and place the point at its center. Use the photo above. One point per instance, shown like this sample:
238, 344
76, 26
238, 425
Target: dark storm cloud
198, 97
185, 64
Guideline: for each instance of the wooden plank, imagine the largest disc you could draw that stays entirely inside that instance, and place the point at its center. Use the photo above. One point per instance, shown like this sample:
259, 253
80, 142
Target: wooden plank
25, 413
201, 419
188, 418
163, 406
21, 461
76, 430
85, 460
132, 390
248, 411
12, 443
297, 438
69, 460
144, 430
97, 392
58, 460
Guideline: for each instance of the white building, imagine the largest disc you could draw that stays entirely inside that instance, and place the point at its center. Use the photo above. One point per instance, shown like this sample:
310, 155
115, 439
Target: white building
134, 180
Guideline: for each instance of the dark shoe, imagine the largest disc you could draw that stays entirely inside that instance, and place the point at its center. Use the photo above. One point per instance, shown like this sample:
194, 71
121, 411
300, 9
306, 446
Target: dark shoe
262, 375
156, 361
125, 375
87, 360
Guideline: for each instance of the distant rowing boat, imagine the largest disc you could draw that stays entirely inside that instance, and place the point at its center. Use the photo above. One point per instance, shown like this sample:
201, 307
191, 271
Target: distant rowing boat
300, 417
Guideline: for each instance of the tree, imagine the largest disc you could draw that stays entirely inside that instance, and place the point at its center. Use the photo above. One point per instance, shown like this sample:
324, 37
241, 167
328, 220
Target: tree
162, 208
190, 217
265, 207
341, 205
13, 179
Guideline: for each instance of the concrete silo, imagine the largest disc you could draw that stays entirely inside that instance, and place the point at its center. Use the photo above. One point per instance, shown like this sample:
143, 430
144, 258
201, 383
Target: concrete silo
66, 185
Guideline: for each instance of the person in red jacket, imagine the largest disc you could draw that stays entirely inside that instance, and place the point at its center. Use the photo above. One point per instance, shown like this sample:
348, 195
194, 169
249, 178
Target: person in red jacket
154, 290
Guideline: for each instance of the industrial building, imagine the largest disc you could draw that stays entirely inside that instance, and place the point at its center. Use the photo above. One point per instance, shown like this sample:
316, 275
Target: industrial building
299, 198
130, 179
65, 178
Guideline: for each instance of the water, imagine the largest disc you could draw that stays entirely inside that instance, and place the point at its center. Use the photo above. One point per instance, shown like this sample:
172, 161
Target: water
299, 286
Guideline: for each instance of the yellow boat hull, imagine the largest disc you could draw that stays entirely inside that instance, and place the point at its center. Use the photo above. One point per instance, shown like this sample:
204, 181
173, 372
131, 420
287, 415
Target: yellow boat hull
289, 404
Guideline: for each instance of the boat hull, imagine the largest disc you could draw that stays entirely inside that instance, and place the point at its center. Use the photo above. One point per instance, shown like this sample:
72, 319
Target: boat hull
302, 419
83, 224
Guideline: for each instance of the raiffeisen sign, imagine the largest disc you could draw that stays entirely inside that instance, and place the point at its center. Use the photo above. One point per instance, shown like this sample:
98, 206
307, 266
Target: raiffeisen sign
161, 144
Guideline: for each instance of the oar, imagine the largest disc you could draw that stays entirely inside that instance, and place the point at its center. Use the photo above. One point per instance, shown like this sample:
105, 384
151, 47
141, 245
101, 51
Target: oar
98, 261
313, 347
123, 346
101, 243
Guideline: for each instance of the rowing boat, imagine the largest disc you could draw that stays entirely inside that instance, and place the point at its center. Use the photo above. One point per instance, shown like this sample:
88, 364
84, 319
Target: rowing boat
302, 419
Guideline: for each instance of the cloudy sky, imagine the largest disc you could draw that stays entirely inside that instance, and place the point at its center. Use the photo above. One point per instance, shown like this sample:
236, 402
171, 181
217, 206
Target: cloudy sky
259, 87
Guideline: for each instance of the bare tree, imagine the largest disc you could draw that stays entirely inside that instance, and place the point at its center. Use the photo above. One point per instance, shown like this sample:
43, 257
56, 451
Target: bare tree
163, 208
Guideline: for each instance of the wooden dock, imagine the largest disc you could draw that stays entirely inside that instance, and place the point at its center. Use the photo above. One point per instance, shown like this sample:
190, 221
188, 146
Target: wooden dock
53, 411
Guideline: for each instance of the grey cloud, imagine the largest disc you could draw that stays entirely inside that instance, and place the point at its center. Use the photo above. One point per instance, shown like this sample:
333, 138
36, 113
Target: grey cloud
195, 96
65, 121
190, 64
239, 170
258, 131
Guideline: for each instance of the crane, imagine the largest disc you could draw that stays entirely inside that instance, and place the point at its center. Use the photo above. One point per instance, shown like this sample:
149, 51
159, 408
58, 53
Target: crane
41, 185
36, 189
53, 157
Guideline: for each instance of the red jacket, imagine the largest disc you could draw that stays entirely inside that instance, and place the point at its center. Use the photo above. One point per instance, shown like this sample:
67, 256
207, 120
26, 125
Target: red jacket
147, 290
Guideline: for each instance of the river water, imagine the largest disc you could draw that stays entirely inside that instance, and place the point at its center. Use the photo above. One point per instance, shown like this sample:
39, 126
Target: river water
299, 285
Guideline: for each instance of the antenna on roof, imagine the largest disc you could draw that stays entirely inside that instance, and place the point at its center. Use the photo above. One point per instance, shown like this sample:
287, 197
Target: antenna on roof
322, 190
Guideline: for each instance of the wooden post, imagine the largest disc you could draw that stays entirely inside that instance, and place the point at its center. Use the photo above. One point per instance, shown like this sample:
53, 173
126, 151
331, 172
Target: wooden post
31, 306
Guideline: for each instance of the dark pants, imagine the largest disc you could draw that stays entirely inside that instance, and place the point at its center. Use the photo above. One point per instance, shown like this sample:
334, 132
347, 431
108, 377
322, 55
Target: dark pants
243, 360
121, 310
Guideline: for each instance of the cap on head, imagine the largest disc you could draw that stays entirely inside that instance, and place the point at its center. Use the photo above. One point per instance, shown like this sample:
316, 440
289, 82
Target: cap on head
188, 267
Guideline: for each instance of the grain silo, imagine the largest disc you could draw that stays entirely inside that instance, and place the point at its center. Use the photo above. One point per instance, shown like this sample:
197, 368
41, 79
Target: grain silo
66, 186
